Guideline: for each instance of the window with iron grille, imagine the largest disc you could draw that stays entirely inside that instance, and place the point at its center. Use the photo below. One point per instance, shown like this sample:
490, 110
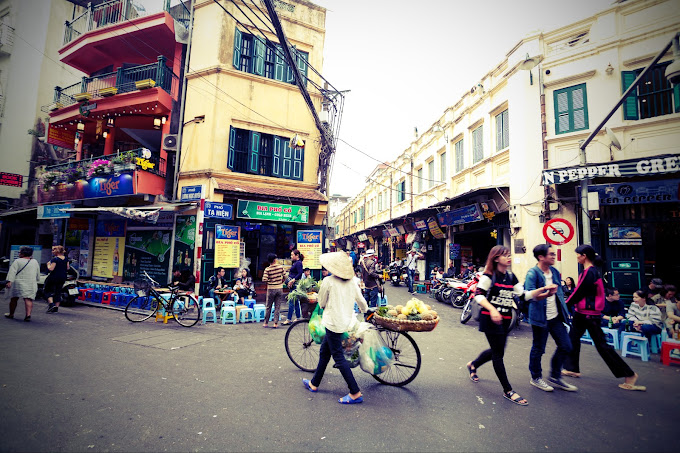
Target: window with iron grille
654, 95
571, 109
460, 156
478, 144
502, 131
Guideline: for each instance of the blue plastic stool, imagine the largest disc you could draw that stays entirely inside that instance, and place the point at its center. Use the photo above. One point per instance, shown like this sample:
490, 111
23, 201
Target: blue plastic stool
258, 312
382, 301
246, 315
228, 314
635, 345
97, 295
421, 289
586, 338
271, 316
655, 344
249, 302
228, 303
612, 336
209, 309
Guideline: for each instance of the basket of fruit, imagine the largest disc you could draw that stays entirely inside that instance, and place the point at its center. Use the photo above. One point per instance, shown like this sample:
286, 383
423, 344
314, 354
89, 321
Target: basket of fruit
415, 316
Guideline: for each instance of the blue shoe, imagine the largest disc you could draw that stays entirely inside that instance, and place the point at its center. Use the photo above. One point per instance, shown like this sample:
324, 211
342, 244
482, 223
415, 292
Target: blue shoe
348, 400
305, 382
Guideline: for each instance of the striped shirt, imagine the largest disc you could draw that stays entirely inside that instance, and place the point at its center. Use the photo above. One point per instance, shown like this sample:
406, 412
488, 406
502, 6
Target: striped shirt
273, 275
649, 314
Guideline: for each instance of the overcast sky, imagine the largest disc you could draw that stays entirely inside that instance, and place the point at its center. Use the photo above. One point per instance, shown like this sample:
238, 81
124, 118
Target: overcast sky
405, 62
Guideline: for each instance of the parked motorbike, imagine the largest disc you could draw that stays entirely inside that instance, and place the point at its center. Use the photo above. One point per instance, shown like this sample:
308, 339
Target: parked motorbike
69, 291
463, 290
466, 314
397, 275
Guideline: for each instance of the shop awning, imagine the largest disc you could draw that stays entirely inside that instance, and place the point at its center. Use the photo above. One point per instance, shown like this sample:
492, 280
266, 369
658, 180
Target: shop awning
17, 211
141, 213
242, 190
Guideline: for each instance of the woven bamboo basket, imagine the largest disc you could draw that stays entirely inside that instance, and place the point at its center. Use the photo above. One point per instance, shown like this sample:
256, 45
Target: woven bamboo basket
406, 325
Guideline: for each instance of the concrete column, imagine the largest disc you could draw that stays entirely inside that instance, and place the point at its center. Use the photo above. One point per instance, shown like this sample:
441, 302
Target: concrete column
109, 141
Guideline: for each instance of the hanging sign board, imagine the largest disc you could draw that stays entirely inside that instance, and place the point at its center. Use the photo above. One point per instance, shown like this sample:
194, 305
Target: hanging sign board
434, 228
272, 211
227, 246
217, 210
558, 231
466, 214
309, 244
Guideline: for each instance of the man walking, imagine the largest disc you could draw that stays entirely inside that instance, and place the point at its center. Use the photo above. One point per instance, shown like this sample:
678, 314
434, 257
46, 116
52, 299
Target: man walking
547, 314
273, 276
413, 256
370, 277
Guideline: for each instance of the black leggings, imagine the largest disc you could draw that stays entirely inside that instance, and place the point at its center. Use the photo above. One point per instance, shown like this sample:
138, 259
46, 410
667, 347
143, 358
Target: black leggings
496, 352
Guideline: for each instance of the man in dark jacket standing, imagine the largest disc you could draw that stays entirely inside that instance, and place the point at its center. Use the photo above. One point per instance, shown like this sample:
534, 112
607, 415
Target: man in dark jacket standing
370, 277
547, 315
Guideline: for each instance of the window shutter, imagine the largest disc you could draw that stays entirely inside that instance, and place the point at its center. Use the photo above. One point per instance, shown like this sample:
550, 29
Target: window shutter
276, 158
478, 144
302, 65
506, 129
279, 65
290, 73
298, 164
676, 97
258, 55
287, 161
254, 166
630, 105
578, 107
499, 132
232, 145
237, 49
561, 112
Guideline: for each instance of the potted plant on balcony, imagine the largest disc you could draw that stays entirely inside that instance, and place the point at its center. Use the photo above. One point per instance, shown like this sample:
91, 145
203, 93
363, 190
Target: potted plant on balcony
108, 91
50, 179
124, 161
80, 97
74, 174
100, 167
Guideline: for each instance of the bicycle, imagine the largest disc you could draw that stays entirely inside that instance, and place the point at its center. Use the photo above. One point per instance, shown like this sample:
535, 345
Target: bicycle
148, 301
304, 352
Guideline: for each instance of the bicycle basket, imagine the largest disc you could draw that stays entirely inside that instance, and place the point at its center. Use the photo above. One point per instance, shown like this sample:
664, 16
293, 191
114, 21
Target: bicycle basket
141, 287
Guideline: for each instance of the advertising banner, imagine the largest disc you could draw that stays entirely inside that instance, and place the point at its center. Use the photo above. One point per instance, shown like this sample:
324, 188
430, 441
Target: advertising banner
109, 246
454, 251
421, 225
625, 235
110, 186
272, 211
647, 166
60, 137
666, 191
185, 238
466, 214
147, 250
11, 179
434, 228
309, 244
227, 246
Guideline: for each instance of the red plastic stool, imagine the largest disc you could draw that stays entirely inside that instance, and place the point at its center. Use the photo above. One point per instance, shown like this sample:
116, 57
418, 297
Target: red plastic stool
666, 348
428, 286
107, 297
83, 291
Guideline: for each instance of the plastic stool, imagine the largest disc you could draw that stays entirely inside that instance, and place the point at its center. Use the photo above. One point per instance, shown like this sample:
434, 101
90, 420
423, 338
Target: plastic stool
382, 301
258, 312
612, 336
586, 338
420, 289
209, 309
666, 348
97, 296
249, 302
246, 315
107, 297
89, 294
162, 314
228, 303
428, 286
655, 344
83, 292
633, 341
228, 314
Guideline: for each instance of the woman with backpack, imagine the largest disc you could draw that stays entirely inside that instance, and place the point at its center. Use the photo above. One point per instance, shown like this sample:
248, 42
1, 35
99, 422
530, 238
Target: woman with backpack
588, 300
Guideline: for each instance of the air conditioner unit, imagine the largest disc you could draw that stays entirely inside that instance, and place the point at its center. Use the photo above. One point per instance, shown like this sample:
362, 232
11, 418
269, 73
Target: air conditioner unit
170, 142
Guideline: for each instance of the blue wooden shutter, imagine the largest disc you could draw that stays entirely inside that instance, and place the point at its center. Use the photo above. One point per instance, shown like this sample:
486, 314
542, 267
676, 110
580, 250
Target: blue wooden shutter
254, 164
579, 108
676, 97
276, 156
630, 105
290, 73
302, 65
258, 55
237, 49
287, 161
298, 164
561, 111
279, 65
232, 146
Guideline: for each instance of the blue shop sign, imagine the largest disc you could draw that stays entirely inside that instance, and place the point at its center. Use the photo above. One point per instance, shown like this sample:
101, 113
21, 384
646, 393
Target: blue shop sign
191, 193
466, 214
637, 192
109, 186
53, 211
218, 210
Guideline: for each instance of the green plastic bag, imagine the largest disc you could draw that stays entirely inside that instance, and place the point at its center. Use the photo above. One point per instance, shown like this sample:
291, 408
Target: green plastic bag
316, 329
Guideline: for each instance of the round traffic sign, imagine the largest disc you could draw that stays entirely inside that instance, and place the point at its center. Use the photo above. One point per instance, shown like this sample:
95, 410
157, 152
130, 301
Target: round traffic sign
558, 231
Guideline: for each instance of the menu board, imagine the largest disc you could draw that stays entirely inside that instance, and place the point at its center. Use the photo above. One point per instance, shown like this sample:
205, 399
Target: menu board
147, 251
227, 246
185, 238
309, 244
102, 264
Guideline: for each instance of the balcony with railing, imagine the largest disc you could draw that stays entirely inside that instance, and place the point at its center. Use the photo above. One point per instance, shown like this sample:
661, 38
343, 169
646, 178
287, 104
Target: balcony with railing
6, 39
123, 80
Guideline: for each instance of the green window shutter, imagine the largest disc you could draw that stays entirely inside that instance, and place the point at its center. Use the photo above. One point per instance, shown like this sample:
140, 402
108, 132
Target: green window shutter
287, 161
290, 73
298, 164
561, 111
258, 55
579, 108
237, 49
302, 58
676, 97
232, 145
499, 132
276, 157
279, 64
478, 144
254, 158
630, 105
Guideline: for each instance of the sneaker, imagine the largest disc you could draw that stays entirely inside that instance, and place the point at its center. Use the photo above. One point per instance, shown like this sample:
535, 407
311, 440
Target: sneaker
53, 309
541, 384
560, 384
49, 308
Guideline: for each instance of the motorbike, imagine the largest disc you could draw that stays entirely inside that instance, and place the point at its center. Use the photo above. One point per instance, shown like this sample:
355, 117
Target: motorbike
397, 275
469, 297
463, 289
69, 291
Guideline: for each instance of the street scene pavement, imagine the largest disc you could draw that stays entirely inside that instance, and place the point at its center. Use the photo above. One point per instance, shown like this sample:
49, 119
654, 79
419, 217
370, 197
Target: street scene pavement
86, 379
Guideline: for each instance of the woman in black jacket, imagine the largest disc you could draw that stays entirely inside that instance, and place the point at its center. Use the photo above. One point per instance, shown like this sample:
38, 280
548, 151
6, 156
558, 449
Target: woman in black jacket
293, 277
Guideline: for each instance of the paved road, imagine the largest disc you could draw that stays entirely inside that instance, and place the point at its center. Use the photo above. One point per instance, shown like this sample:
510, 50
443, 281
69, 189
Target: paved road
86, 379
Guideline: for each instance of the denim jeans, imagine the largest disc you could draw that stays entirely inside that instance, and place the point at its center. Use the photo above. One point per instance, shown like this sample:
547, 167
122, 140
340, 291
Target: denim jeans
371, 296
559, 333
411, 275
297, 309
332, 346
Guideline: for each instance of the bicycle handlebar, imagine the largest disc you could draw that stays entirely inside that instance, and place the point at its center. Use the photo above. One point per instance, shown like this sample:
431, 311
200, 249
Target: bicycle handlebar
153, 282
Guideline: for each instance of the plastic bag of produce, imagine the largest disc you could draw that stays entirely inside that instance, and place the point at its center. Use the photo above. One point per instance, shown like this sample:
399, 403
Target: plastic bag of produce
351, 342
375, 357
316, 329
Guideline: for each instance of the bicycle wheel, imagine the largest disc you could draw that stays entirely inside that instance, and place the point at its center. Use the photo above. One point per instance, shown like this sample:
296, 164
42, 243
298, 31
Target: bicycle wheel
300, 346
186, 312
141, 308
406, 358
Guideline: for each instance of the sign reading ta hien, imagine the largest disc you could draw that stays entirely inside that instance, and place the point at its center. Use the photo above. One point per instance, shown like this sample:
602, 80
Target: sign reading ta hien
272, 211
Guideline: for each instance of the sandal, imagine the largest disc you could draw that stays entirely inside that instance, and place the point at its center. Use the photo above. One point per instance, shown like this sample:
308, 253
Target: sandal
265, 325
473, 374
349, 400
571, 373
306, 383
640, 388
8, 316
275, 326
519, 400
286, 322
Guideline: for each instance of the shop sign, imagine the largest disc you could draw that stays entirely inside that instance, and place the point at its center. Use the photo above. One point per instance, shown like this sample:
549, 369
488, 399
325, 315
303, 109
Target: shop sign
386, 234
191, 193
218, 210
362, 237
14, 252
309, 243
638, 192
625, 235
146, 164
466, 214
401, 229
227, 246
634, 167
11, 179
454, 251
60, 137
434, 228
272, 211
78, 224
53, 211
393, 231
109, 186
85, 108
421, 225
111, 228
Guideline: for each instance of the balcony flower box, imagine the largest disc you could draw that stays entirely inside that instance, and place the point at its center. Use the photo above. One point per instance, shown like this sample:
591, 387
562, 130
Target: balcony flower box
109, 91
56, 106
80, 97
146, 83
